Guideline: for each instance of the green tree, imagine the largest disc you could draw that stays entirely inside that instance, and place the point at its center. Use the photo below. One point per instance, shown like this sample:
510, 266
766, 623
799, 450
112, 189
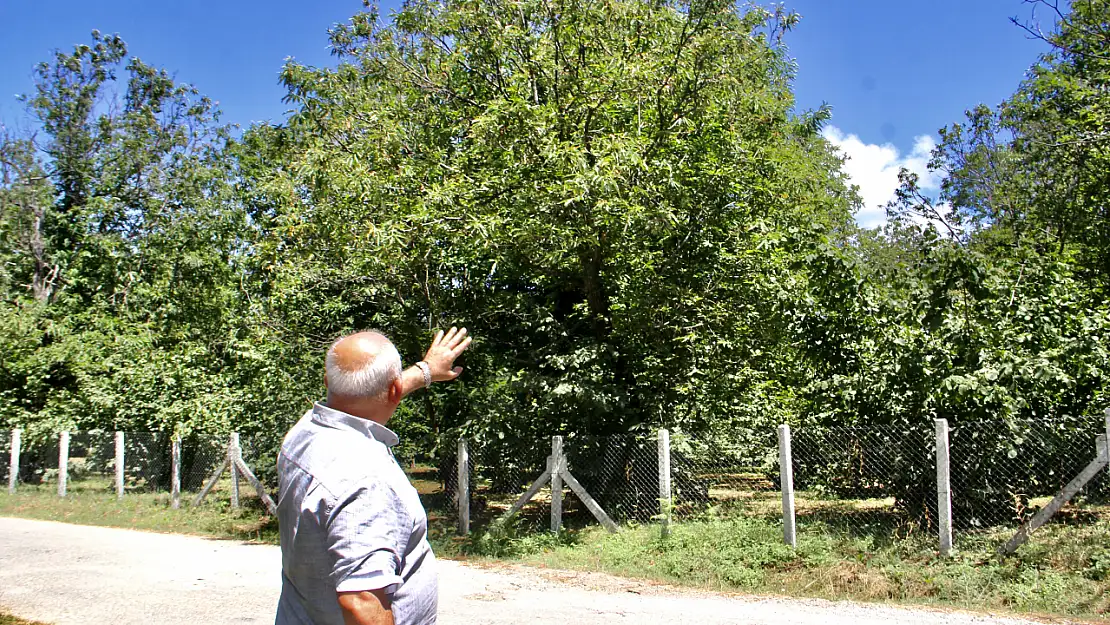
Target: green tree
126, 240
993, 312
25, 200
1034, 171
612, 196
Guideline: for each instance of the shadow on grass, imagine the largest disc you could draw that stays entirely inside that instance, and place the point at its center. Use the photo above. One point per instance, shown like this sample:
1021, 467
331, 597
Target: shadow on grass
880, 527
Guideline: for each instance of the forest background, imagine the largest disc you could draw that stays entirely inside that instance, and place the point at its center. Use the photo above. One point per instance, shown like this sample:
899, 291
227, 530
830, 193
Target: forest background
621, 201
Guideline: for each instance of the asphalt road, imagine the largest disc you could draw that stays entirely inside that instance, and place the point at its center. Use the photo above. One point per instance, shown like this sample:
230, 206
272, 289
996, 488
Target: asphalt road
72, 574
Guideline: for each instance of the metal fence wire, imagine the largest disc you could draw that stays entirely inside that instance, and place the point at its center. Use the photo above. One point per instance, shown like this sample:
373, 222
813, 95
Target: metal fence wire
260, 453
447, 470
1002, 473
621, 473
38, 458
92, 460
500, 470
443, 467
874, 481
146, 461
877, 478
432, 475
5, 454
734, 474
200, 456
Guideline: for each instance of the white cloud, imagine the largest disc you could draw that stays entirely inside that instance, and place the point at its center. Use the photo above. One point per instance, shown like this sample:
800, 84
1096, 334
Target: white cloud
874, 169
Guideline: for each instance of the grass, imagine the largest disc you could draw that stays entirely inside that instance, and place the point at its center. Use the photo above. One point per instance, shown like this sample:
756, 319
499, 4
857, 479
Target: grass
8, 619
857, 550
94, 503
1063, 571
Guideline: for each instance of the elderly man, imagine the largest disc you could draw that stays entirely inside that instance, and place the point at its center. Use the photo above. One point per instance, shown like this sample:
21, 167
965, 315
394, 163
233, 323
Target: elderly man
354, 547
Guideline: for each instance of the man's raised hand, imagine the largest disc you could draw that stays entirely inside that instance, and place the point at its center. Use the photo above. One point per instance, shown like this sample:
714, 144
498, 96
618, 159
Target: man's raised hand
441, 356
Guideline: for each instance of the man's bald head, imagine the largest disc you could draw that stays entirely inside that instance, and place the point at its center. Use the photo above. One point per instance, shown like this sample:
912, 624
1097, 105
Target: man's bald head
362, 365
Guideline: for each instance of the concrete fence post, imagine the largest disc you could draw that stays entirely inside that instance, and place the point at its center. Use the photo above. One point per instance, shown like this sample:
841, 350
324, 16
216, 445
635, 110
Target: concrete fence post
944, 488
665, 503
556, 483
462, 488
13, 466
786, 476
63, 463
175, 473
1061, 499
120, 460
1106, 415
233, 453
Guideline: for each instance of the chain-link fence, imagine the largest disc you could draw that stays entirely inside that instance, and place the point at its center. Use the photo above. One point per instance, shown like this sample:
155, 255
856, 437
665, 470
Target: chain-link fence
875, 481
1002, 473
732, 475
878, 480
431, 473
444, 469
621, 473
146, 465
500, 470
147, 461
200, 457
92, 460
259, 452
435, 477
38, 459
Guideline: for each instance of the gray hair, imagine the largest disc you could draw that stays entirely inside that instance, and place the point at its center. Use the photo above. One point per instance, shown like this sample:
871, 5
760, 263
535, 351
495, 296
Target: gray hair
370, 380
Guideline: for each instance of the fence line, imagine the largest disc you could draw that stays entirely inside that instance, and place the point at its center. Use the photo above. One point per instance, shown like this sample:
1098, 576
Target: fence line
121, 463
855, 479
844, 478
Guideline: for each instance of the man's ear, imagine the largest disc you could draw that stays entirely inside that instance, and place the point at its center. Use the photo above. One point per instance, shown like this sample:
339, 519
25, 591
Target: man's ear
396, 391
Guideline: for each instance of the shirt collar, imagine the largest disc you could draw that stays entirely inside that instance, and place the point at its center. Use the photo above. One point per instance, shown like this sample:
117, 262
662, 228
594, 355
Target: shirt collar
330, 417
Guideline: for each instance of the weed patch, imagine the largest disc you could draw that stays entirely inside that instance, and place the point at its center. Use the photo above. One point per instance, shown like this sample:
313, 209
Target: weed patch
1065, 575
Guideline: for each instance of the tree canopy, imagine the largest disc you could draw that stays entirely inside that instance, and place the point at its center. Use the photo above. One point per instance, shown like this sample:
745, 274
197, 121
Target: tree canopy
620, 199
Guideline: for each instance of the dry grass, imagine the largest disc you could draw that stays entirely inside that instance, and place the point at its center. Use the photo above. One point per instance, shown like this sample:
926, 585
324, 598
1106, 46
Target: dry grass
1055, 575
9, 619
861, 550
92, 503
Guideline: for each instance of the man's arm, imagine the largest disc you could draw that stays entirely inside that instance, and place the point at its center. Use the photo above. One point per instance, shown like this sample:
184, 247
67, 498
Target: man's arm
440, 357
369, 607
412, 379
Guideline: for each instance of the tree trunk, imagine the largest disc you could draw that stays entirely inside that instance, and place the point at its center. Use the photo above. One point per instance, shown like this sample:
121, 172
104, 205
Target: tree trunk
42, 281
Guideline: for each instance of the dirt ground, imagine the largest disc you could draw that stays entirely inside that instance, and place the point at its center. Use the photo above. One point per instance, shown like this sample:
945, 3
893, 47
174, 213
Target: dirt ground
71, 574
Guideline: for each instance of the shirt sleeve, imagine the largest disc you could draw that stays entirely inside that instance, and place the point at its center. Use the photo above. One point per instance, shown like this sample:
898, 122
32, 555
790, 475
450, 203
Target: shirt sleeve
367, 534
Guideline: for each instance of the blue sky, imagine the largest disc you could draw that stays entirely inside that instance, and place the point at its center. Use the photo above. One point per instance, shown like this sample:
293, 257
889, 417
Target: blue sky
894, 72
